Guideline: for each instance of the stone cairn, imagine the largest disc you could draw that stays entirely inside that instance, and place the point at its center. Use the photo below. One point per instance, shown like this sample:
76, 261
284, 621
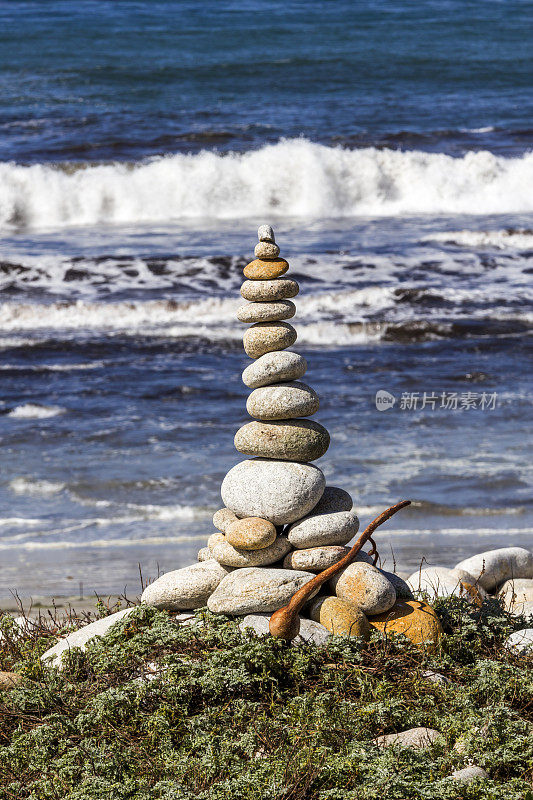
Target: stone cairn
281, 524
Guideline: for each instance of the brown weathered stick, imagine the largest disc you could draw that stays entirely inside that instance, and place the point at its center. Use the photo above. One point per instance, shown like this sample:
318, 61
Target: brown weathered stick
285, 623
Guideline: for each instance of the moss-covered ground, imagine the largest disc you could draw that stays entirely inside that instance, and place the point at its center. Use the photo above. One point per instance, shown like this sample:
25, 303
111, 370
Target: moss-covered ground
232, 717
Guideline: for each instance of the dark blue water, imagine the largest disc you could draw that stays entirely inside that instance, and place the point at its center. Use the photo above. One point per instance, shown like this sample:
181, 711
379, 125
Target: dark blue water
140, 146
122, 80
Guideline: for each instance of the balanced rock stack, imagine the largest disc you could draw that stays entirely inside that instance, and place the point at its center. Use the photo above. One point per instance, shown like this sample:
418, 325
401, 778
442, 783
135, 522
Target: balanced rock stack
281, 524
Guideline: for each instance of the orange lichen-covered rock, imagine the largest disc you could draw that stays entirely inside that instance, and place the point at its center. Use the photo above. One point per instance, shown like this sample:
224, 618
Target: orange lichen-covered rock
414, 619
260, 269
339, 616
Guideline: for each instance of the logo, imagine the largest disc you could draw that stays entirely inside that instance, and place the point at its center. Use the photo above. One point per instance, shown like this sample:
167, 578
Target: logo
384, 400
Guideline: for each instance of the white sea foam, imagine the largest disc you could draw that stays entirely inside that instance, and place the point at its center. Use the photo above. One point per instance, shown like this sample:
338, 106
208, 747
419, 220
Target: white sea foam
292, 177
33, 486
329, 317
499, 239
34, 411
101, 543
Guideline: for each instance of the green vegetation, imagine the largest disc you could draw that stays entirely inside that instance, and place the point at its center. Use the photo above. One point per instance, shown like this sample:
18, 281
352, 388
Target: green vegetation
233, 717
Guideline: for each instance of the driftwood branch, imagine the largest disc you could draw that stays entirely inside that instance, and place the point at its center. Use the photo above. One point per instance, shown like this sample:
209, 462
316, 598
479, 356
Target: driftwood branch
285, 623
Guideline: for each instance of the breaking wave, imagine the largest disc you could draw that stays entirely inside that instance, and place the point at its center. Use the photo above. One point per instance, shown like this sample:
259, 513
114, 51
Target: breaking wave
293, 177
516, 239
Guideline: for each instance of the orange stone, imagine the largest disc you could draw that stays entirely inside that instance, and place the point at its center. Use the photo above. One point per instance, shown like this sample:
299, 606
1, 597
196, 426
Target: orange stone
261, 269
414, 619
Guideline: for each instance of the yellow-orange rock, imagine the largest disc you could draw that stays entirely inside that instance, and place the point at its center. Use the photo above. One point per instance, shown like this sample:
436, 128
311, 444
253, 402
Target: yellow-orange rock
261, 270
339, 617
8, 680
414, 619
251, 533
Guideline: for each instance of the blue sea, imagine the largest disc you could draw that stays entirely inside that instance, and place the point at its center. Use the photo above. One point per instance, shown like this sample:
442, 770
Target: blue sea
141, 144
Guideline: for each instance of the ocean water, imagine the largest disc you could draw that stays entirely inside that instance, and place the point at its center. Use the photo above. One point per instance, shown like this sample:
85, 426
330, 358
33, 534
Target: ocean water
140, 146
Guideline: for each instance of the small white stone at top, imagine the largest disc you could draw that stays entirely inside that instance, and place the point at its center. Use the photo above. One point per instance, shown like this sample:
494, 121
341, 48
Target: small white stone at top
265, 233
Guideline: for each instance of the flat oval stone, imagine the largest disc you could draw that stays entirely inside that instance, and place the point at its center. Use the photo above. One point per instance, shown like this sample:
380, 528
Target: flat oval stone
185, 588
80, 637
283, 401
223, 552
403, 590
416, 738
254, 590
496, 566
365, 587
266, 250
265, 233
516, 594
443, 582
266, 312
310, 631
263, 337
414, 619
318, 530
339, 617
333, 500
273, 368
223, 518
261, 269
315, 559
287, 440
521, 641
280, 491
204, 554
251, 533
276, 289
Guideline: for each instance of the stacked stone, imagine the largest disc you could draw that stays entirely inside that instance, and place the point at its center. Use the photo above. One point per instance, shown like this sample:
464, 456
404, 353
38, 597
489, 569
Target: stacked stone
281, 524
277, 505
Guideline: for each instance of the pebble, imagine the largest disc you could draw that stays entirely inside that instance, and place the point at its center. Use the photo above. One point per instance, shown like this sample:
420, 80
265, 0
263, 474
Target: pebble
264, 337
254, 590
280, 491
339, 617
443, 582
282, 401
83, 635
402, 589
281, 365
266, 312
315, 559
333, 500
516, 595
419, 738
260, 270
414, 619
251, 533
364, 586
223, 518
318, 530
436, 677
468, 774
310, 632
291, 440
204, 554
269, 291
9, 680
521, 641
265, 233
266, 250
185, 588
496, 566
230, 556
